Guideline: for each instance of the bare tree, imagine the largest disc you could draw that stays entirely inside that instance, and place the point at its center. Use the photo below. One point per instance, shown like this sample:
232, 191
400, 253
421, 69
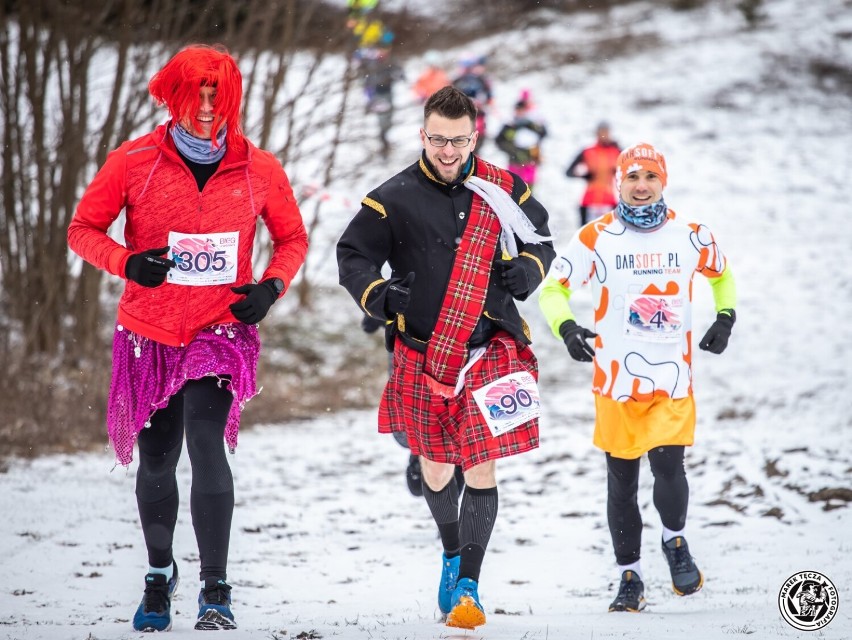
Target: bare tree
74, 79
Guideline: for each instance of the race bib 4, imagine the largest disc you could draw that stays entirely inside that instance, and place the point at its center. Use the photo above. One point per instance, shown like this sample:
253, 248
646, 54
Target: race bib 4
653, 318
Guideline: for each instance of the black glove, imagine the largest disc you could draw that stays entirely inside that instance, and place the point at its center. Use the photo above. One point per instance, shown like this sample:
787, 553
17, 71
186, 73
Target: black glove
515, 277
398, 296
716, 338
574, 336
370, 324
258, 298
148, 268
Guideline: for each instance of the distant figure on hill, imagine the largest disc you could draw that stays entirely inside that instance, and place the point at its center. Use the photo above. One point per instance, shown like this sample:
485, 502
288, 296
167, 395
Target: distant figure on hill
521, 140
596, 165
474, 83
380, 74
432, 79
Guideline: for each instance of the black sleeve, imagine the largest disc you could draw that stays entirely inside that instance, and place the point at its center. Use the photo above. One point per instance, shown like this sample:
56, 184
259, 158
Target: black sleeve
361, 251
502, 140
570, 170
536, 258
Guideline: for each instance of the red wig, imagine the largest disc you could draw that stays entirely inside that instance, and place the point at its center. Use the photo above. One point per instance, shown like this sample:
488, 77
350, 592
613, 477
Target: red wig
178, 86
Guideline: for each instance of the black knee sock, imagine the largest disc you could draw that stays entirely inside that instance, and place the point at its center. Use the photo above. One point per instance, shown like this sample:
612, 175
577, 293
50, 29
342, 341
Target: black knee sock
444, 505
478, 514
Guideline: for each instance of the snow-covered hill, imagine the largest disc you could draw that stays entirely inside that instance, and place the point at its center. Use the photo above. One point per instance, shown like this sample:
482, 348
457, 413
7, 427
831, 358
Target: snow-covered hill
757, 129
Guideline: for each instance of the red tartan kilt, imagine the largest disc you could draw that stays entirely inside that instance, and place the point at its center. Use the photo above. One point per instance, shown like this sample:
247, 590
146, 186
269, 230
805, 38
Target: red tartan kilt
452, 430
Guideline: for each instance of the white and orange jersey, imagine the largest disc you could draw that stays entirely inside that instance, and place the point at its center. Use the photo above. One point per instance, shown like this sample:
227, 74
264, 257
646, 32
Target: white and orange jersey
642, 292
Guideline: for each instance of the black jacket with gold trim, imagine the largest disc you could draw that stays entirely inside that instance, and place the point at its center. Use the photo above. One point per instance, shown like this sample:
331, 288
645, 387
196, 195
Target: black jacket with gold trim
414, 222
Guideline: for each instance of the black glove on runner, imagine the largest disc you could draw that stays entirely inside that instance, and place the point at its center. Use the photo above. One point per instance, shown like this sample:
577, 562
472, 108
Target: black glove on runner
398, 296
716, 338
258, 298
515, 277
148, 268
574, 336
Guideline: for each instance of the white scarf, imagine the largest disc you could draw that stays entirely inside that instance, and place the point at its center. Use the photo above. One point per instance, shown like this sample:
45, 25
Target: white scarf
512, 218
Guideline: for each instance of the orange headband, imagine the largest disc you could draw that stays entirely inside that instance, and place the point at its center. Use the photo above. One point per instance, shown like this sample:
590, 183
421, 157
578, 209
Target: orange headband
640, 156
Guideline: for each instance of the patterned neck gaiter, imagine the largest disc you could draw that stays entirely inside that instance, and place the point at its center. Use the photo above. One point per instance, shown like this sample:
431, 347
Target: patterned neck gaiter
643, 218
198, 149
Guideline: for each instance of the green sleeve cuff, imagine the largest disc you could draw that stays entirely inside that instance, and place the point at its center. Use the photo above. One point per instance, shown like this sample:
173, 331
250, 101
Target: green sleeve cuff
553, 302
724, 290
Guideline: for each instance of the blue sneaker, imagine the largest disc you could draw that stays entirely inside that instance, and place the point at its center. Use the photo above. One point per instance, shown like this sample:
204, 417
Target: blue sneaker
155, 611
214, 606
466, 611
449, 577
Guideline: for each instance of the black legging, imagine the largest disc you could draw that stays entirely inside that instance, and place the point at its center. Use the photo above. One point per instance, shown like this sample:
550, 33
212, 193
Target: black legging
200, 409
671, 497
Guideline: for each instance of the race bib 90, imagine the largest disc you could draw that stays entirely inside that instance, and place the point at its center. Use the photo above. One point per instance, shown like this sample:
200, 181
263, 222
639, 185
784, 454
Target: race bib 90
508, 402
204, 259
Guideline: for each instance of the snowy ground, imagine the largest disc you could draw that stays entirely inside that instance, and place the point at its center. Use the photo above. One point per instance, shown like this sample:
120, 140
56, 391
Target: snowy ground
327, 541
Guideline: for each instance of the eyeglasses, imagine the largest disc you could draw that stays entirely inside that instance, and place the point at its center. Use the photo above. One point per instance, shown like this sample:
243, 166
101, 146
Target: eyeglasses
441, 141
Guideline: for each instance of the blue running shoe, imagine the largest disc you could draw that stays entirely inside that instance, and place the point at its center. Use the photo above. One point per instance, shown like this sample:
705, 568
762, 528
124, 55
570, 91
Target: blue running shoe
466, 611
449, 577
214, 606
155, 611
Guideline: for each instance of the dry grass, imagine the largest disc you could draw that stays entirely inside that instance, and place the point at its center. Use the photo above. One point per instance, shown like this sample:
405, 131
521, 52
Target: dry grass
307, 368
50, 409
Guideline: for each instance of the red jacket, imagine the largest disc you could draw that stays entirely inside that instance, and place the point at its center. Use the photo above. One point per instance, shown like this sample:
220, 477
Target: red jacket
599, 162
159, 194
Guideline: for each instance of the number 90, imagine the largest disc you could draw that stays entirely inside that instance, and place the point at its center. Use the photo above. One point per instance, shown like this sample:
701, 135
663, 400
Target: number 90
521, 399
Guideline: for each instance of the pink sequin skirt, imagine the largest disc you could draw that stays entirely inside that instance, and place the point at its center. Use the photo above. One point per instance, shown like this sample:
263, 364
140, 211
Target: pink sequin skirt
146, 374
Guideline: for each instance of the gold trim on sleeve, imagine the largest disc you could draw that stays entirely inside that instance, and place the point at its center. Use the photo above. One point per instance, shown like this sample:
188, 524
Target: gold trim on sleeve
367, 292
527, 254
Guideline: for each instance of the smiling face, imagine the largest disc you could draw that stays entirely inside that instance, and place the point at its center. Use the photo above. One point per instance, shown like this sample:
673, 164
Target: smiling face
202, 88
448, 160
200, 123
641, 187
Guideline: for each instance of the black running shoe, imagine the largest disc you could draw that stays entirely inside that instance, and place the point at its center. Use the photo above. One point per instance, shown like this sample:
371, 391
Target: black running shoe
413, 476
686, 578
631, 594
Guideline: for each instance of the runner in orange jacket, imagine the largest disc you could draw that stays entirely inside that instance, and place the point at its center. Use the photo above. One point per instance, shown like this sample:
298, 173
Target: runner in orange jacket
596, 165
